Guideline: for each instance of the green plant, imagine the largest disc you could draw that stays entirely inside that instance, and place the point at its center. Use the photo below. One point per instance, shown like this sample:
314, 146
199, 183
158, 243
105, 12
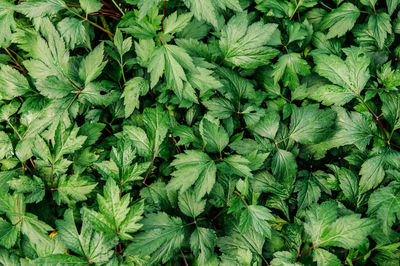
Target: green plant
201, 132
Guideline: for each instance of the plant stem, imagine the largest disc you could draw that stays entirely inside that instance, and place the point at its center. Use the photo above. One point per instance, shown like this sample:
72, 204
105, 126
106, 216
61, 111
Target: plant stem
377, 118
92, 23
117, 6
178, 150
184, 258
306, 251
241, 197
325, 5
151, 165
15, 61
163, 18
21, 138
295, 10
52, 188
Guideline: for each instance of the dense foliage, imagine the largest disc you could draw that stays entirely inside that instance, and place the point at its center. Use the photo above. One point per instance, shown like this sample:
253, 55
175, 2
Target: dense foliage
201, 132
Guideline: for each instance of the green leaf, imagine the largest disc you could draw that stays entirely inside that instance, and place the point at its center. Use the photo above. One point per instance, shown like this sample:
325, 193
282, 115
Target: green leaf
173, 60
139, 139
35, 188
6, 147
284, 166
75, 32
215, 137
116, 218
348, 231
145, 6
392, 5
285, 258
391, 109
236, 164
326, 229
256, 217
67, 141
72, 189
372, 172
353, 128
92, 65
7, 22
340, 20
123, 46
325, 258
288, 67
8, 234
380, 26
6, 111
162, 236
244, 45
174, 23
309, 192
90, 6
268, 125
207, 9
202, 243
351, 74
41, 8
59, 259
14, 84
89, 244
310, 125
349, 185
133, 89
385, 202
189, 205
193, 168
157, 123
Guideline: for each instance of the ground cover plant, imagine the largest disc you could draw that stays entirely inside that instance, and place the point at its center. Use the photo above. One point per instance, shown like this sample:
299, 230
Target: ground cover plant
199, 132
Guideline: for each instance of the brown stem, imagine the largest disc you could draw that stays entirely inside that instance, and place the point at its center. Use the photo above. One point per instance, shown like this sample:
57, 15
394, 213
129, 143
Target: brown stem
184, 258
377, 118
306, 251
163, 18
15, 61
178, 150
151, 165
218, 214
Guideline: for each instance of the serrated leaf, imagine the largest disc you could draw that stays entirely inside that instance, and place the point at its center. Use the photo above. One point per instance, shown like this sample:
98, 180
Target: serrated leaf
202, 242
14, 84
72, 189
161, 237
189, 205
215, 137
340, 20
193, 168
7, 22
284, 165
287, 69
310, 124
90, 6
41, 8
174, 23
34, 187
385, 202
256, 217
133, 89
380, 26
116, 218
92, 65
244, 45
309, 192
